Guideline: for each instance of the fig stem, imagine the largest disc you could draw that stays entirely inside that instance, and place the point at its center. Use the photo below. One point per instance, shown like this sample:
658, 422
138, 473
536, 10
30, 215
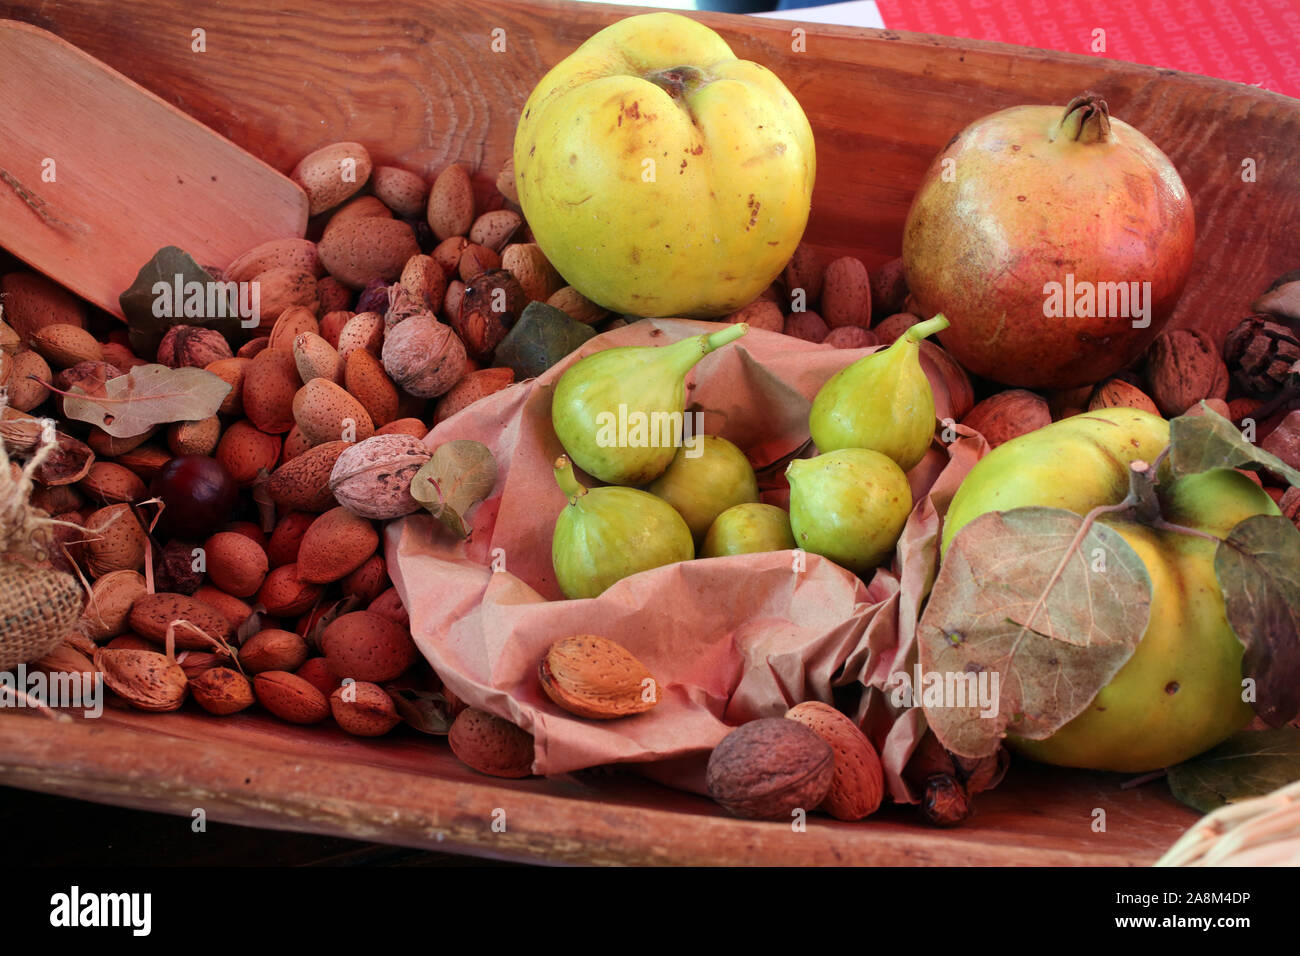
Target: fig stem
928, 327
1086, 120
718, 339
567, 480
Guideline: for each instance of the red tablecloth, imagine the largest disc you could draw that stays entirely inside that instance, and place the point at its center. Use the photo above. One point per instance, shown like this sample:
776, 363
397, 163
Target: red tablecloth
1247, 41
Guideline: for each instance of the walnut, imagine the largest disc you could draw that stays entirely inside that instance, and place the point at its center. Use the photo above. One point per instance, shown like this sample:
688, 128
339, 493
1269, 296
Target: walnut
192, 346
1182, 368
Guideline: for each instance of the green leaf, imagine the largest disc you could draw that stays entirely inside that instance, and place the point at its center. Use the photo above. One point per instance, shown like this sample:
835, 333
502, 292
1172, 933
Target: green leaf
1050, 609
424, 710
459, 475
542, 336
1250, 763
1258, 567
148, 395
140, 303
1200, 442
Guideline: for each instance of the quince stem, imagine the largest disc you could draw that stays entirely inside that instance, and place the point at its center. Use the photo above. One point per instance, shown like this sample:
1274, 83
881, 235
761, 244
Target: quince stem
567, 480
678, 81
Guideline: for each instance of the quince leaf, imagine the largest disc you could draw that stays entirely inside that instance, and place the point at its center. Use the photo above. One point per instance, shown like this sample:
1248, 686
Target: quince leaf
145, 329
1250, 763
542, 336
148, 395
458, 475
1049, 610
1200, 442
1258, 568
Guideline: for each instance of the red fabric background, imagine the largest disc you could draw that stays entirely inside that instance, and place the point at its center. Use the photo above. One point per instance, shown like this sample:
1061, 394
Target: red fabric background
1247, 41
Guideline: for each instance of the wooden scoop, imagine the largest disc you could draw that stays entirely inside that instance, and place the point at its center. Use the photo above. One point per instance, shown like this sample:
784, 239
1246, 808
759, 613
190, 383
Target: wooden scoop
97, 173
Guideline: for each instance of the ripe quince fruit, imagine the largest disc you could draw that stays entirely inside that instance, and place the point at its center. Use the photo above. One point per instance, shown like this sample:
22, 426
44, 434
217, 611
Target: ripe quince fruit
1181, 691
660, 174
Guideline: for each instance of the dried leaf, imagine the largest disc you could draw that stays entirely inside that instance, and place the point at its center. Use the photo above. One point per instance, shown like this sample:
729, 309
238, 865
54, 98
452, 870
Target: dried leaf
1248, 764
171, 266
459, 475
149, 395
1053, 644
1200, 442
542, 336
424, 710
1257, 566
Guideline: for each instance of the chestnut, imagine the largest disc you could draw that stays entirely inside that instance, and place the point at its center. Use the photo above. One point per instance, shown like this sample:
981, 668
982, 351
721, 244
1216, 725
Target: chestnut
199, 495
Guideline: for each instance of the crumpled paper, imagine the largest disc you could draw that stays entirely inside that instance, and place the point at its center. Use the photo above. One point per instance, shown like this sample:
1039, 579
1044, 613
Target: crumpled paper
727, 639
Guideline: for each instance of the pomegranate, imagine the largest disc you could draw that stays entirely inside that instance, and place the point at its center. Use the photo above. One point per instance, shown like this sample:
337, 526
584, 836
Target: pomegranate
1056, 244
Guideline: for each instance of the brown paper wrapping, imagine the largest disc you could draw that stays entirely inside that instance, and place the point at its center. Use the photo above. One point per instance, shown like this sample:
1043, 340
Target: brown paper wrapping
728, 639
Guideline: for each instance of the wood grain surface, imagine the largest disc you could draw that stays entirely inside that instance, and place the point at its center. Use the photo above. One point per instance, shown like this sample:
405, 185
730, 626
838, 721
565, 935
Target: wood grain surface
406, 789
420, 85
97, 174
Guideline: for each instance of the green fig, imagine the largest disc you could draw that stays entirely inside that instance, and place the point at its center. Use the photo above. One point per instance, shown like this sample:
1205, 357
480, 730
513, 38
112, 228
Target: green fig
883, 401
706, 477
619, 413
849, 505
748, 529
605, 534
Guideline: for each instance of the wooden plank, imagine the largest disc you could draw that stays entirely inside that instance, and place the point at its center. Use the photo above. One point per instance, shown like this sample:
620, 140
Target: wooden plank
410, 790
97, 173
419, 84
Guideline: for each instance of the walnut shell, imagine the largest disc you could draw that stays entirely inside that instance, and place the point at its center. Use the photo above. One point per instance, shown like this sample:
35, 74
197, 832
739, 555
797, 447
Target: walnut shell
192, 346
1007, 415
1184, 367
373, 478
769, 768
423, 357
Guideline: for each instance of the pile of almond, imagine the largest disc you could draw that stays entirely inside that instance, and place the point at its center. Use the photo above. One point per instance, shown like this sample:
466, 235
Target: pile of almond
370, 333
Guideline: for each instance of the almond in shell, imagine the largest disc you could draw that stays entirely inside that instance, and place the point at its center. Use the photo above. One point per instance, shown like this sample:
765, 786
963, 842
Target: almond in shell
451, 203
146, 680
303, 482
846, 294
858, 784
290, 698
593, 677
336, 544
153, 614
491, 745
331, 174
222, 691
363, 709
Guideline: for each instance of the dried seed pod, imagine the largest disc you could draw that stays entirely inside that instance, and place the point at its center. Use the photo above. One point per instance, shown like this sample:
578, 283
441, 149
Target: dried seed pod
1261, 354
490, 305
